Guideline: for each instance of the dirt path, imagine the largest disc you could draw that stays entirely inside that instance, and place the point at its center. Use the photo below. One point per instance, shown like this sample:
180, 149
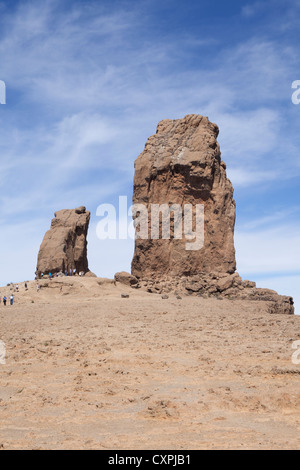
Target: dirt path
88, 369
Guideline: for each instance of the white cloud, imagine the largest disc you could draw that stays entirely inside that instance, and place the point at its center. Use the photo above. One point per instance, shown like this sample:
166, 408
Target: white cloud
274, 250
279, 215
252, 9
249, 134
73, 136
249, 177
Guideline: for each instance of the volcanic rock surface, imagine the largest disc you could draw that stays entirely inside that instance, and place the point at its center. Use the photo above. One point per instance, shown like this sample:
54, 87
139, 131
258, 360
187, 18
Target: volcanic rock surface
181, 164
64, 246
181, 167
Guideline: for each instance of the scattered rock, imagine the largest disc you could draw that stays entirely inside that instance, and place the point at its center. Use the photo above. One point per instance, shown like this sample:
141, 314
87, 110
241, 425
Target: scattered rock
248, 284
162, 409
225, 283
125, 278
125, 296
80, 210
283, 304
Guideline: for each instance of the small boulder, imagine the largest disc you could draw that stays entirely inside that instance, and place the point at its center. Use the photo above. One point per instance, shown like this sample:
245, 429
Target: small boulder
125, 278
248, 284
80, 210
225, 283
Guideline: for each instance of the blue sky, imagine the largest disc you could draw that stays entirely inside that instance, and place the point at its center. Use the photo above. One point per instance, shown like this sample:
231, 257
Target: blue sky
87, 82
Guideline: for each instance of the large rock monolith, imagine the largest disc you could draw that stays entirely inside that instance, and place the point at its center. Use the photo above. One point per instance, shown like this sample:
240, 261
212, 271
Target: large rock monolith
181, 168
64, 246
181, 164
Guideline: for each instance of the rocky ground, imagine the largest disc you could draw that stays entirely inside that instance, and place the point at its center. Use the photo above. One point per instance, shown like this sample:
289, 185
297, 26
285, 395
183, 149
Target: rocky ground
88, 369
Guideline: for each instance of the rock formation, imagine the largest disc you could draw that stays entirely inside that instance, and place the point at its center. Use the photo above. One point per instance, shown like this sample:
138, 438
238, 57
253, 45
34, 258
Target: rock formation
181, 164
181, 168
125, 278
64, 246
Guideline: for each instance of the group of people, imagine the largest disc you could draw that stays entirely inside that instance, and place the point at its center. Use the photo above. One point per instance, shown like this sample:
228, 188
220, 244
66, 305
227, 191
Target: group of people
11, 298
70, 272
4, 300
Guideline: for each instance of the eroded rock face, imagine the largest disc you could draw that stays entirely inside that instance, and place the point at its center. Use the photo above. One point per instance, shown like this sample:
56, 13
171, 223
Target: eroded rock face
64, 246
181, 164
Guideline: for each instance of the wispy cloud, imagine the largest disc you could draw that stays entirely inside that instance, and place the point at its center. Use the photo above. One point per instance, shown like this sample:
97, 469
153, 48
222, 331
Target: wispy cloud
251, 9
245, 177
87, 83
272, 220
269, 250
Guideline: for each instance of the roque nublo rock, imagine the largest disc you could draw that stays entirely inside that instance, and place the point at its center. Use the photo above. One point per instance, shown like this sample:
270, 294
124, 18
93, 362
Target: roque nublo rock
64, 246
181, 167
181, 164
